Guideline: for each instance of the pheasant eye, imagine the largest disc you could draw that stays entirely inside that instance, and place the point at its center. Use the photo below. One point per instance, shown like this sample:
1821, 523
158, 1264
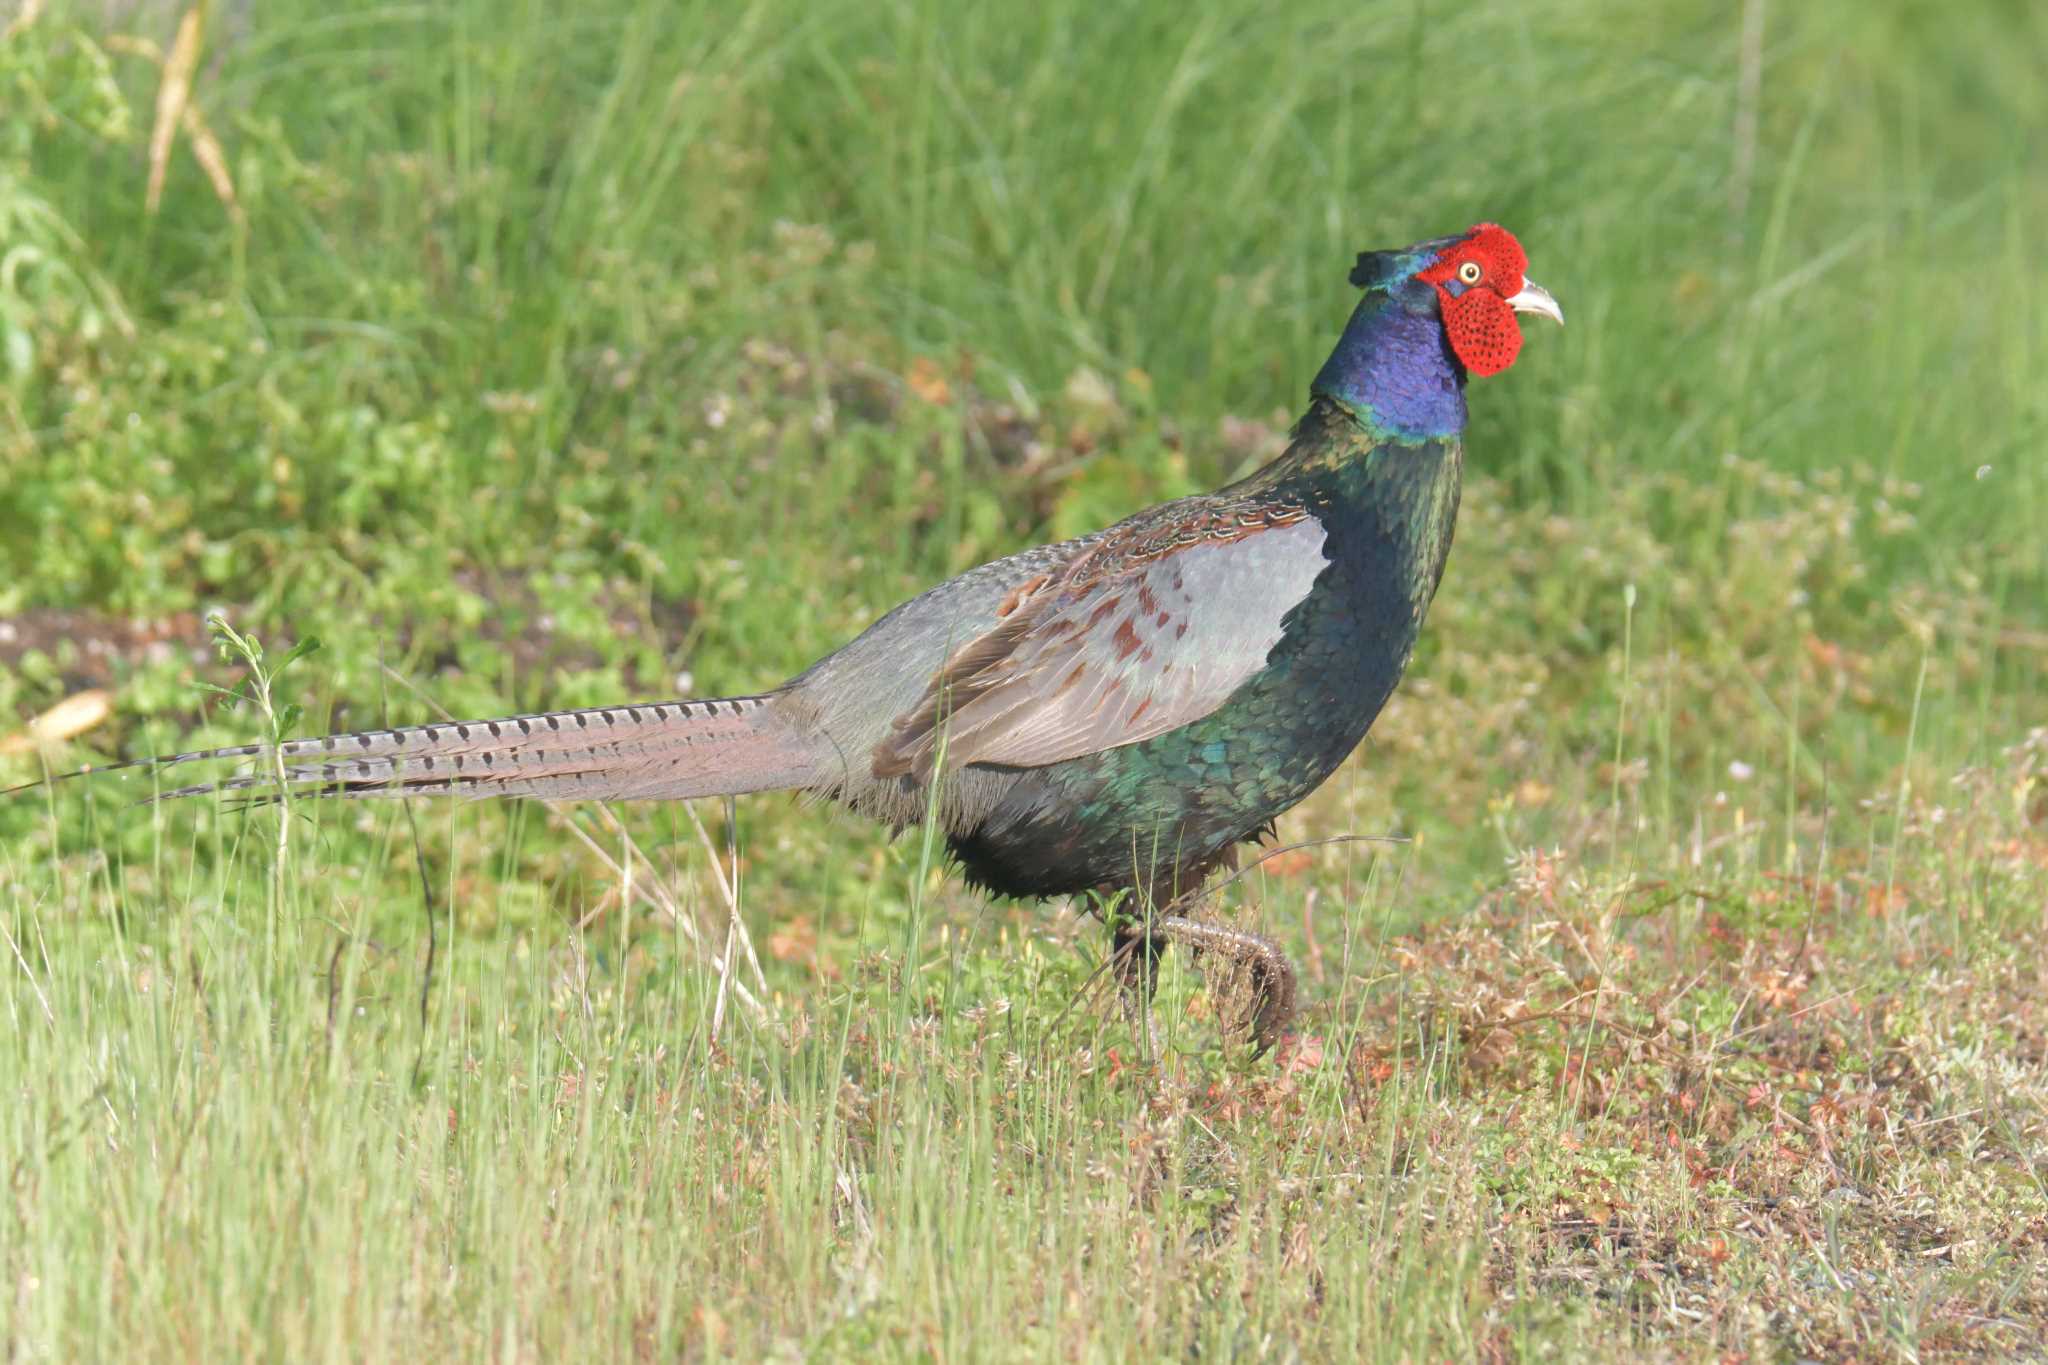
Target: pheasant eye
1469, 272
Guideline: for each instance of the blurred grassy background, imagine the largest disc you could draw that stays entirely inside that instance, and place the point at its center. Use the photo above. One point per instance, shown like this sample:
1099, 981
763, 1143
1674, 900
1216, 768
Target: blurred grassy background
553, 355
446, 202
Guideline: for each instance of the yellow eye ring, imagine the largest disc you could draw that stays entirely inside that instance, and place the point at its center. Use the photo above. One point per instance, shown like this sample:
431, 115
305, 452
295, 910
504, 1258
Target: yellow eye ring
1470, 272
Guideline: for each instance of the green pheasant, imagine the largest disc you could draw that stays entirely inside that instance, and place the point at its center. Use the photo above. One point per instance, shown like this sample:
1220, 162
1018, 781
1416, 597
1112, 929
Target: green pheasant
1109, 714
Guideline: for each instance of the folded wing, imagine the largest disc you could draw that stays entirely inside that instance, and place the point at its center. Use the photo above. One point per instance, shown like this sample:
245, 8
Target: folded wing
1143, 631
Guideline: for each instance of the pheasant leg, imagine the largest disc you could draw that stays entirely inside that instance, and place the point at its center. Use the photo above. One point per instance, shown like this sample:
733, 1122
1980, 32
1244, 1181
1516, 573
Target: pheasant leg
1135, 955
1266, 968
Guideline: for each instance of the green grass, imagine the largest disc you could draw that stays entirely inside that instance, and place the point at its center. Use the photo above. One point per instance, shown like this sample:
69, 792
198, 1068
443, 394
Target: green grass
563, 350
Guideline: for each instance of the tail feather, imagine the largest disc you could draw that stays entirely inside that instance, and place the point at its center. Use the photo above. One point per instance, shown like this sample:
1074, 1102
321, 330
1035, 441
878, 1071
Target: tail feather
672, 749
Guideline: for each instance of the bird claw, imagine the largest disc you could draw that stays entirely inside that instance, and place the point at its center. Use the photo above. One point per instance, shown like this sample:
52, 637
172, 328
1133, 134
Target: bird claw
1273, 998
1269, 975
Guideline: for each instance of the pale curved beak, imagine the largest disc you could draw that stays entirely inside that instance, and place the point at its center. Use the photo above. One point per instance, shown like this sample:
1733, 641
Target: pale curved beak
1534, 298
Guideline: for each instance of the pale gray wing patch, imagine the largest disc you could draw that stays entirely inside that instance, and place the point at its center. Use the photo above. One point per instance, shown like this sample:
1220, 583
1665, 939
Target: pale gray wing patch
1087, 662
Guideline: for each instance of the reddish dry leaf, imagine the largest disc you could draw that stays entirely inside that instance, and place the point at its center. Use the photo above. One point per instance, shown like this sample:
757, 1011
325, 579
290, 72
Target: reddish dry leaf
928, 382
1290, 862
1299, 1055
795, 941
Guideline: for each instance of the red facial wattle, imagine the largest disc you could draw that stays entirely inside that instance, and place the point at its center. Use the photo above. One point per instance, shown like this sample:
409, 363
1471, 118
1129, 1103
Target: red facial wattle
1478, 320
1482, 330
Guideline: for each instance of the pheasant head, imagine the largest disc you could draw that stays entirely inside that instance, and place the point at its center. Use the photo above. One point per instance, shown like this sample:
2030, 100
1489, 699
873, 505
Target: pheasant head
1481, 282
1433, 313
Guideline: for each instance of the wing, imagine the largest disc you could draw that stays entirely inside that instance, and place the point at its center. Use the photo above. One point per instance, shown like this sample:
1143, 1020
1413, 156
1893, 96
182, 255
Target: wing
1143, 630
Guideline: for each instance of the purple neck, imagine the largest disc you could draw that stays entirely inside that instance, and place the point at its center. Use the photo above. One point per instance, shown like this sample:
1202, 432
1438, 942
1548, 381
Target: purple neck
1394, 368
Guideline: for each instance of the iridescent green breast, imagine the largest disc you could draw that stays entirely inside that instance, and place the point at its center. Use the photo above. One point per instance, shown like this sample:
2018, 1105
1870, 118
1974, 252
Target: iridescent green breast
1159, 813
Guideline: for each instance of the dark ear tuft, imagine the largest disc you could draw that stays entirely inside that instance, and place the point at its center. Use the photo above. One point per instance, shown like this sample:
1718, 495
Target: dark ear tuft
1382, 269
1373, 268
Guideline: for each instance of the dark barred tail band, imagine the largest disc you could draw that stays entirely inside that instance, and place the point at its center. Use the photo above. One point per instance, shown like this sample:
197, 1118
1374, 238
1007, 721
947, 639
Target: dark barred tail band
672, 749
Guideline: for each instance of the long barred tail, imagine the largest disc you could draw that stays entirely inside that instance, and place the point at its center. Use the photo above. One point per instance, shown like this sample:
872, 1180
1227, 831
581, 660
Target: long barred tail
670, 749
